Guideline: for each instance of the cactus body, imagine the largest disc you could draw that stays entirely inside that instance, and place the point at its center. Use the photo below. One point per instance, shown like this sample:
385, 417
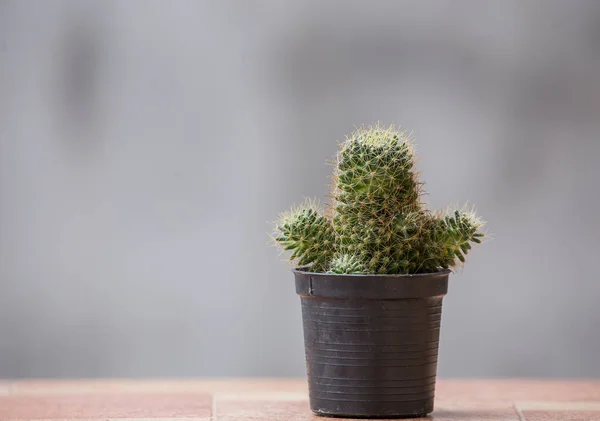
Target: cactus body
379, 224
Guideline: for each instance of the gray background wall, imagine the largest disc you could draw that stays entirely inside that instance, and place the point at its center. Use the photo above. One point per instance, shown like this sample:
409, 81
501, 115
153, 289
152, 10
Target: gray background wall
144, 144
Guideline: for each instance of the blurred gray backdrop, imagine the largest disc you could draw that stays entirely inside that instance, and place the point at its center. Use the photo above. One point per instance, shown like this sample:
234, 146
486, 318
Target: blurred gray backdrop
144, 145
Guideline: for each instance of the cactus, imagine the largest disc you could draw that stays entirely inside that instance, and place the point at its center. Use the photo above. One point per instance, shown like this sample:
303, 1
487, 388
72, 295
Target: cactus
309, 234
378, 223
346, 264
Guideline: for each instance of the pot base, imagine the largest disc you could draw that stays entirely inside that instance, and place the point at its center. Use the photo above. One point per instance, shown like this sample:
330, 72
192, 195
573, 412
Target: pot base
369, 417
371, 410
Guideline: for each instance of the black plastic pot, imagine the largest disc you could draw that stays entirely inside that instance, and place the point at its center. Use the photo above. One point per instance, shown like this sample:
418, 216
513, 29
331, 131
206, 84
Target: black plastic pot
371, 342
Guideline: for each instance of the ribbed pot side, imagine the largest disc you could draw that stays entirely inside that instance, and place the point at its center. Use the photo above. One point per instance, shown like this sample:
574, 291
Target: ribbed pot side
371, 342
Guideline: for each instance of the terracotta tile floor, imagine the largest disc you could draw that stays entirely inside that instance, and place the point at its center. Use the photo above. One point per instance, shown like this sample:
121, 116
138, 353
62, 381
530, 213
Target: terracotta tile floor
282, 400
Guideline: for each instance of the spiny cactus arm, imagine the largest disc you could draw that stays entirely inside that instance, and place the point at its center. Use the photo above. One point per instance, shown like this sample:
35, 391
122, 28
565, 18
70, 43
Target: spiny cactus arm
346, 264
308, 234
451, 236
462, 228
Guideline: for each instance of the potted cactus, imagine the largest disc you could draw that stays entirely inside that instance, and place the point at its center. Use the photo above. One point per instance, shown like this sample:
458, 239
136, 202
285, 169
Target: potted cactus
372, 269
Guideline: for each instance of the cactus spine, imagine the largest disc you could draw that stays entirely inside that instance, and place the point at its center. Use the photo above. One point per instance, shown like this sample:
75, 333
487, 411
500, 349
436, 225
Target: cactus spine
379, 223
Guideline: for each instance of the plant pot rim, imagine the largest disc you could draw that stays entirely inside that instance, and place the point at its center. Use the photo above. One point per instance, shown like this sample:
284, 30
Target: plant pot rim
371, 287
305, 271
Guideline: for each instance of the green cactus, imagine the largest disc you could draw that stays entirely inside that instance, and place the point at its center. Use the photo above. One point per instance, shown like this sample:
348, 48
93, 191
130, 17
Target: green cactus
309, 234
448, 238
379, 224
346, 264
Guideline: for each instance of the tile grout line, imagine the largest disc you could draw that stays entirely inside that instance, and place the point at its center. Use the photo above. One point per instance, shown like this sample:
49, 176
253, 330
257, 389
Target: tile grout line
213, 409
558, 406
519, 413
553, 406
